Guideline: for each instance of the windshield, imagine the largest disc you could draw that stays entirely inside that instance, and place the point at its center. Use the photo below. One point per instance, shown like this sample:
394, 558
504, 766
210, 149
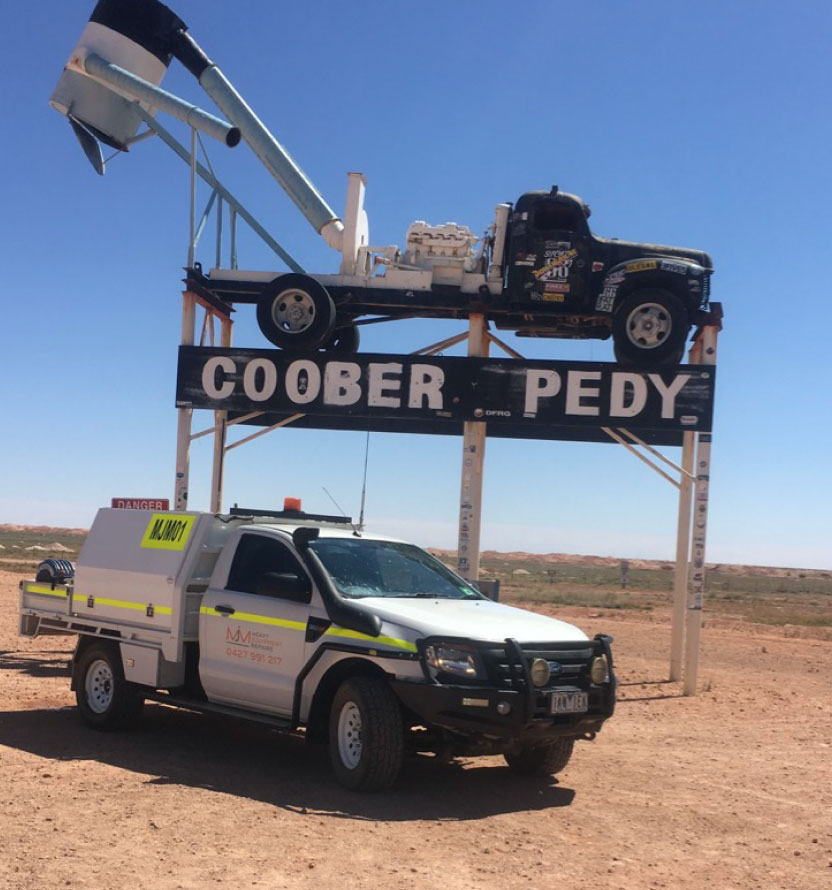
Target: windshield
360, 568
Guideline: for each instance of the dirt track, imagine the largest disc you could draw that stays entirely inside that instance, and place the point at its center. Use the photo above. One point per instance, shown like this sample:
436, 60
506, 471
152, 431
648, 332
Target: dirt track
730, 789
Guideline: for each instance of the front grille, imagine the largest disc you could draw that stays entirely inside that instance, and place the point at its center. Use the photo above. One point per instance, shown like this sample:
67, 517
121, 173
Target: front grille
569, 663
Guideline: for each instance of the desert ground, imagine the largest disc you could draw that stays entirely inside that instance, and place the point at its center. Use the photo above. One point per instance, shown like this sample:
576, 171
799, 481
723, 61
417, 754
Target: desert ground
727, 790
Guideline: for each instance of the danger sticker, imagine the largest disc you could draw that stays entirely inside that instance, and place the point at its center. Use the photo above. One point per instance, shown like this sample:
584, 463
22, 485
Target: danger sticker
166, 532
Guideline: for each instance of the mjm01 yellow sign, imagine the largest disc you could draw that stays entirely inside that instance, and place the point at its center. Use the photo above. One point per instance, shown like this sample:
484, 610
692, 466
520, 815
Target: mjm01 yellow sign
168, 532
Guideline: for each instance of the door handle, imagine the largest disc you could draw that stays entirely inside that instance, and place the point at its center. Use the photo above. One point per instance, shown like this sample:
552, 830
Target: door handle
224, 610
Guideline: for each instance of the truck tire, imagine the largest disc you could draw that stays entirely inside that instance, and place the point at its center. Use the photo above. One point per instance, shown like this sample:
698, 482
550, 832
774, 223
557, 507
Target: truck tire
345, 338
649, 328
366, 735
544, 760
296, 312
105, 699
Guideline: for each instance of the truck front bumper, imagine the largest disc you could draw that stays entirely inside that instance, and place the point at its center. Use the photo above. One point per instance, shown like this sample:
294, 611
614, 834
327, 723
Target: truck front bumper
500, 713
516, 709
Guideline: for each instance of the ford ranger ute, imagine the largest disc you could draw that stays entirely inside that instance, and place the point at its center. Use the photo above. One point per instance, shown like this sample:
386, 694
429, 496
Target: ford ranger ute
366, 643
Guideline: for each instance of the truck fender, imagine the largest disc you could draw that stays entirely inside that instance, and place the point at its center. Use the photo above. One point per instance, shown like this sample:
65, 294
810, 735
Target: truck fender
684, 279
317, 717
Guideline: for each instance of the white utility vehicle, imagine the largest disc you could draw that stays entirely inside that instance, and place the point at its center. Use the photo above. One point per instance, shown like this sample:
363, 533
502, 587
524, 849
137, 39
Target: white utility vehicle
302, 622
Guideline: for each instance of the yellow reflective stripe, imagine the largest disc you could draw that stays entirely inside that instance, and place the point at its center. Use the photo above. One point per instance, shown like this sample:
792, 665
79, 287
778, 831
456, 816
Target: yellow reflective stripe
254, 619
264, 619
43, 590
81, 598
385, 641
300, 625
125, 604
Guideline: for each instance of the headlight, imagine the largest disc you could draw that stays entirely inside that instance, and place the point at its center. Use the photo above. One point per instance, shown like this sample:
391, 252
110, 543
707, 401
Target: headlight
599, 671
451, 660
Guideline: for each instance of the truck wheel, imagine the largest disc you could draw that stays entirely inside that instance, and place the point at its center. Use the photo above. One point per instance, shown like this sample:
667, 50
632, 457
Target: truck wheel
366, 735
544, 760
650, 327
296, 312
105, 699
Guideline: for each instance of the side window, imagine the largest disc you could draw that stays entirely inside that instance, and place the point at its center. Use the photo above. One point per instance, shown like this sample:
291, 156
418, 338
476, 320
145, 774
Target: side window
266, 567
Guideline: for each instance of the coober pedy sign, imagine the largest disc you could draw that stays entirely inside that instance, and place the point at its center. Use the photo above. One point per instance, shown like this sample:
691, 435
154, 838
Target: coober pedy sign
435, 394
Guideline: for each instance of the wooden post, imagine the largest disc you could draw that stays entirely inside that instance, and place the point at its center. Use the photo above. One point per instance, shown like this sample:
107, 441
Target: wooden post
185, 415
473, 456
702, 470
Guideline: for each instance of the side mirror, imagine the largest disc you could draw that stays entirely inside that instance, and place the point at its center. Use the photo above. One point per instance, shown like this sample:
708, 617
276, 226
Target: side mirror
285, 586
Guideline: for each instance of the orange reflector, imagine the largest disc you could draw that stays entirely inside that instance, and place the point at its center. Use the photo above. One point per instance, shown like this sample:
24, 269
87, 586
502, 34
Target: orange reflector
292, 504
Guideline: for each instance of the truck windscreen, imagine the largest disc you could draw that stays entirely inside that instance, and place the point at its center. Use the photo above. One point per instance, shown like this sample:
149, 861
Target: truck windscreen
361, 568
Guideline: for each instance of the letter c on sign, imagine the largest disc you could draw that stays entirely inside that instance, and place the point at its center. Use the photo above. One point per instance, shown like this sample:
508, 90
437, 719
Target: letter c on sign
209, 377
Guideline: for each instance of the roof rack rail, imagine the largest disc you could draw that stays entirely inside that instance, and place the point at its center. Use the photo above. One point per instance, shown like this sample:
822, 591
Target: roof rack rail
289, 515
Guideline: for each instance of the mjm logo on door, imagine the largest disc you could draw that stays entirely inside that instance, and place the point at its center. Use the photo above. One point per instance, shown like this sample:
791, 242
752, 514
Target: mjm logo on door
166, 532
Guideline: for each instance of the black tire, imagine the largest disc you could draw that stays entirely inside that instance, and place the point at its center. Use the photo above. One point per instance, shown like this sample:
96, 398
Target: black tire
105, 699
345, 338
366, 735
543, 760
649, 328
296, 312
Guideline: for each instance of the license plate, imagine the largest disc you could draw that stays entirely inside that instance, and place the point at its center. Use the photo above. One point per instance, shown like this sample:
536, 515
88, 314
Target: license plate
569, 702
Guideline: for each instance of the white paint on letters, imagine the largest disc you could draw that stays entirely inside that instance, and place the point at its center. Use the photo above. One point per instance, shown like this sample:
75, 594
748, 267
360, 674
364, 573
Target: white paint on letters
669, 392
619, 394
576, 392
426, 381
379, 384
540, 385
209, 374
269, 379
313, 382
341, 383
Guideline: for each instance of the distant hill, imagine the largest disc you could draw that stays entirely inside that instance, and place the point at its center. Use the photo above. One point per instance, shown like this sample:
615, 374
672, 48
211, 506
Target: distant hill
43, 529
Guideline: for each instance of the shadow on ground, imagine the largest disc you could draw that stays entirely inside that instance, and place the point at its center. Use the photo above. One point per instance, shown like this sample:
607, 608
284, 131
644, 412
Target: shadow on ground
45, 663
233, 757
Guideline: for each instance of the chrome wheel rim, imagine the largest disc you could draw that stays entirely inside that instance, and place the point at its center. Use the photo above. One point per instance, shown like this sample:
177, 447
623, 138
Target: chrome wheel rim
648, 325
349, 735
99, 686
293, 311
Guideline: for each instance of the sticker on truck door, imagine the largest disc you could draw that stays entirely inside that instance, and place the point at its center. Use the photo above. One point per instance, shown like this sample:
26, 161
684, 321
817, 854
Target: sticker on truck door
166, 532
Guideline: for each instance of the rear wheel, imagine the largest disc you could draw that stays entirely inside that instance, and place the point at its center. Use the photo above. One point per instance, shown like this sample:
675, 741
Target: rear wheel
345, 338
542, 760
296, 312
366, 735
105, 699
650, 327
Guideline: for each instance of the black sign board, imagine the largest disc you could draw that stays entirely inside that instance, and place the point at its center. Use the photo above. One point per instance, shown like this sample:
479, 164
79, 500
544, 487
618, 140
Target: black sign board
435, 394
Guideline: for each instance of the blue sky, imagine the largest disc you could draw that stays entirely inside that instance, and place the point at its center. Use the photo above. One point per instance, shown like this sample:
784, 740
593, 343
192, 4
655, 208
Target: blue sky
703, 125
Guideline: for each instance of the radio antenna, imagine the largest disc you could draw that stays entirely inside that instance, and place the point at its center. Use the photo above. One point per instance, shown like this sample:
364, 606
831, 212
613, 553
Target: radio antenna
356, 529
364, 485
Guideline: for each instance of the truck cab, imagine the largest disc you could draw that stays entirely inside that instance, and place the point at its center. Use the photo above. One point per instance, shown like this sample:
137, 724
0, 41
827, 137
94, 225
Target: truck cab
549, 252
567, 282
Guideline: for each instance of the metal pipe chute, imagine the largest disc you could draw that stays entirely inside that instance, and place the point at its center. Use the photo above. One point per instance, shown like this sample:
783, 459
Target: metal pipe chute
134, 87
271, 153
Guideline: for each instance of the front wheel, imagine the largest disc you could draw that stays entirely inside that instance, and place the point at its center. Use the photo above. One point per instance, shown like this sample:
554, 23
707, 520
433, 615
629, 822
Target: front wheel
542, 760
105, 699
296, 312
366, 735
650, 327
